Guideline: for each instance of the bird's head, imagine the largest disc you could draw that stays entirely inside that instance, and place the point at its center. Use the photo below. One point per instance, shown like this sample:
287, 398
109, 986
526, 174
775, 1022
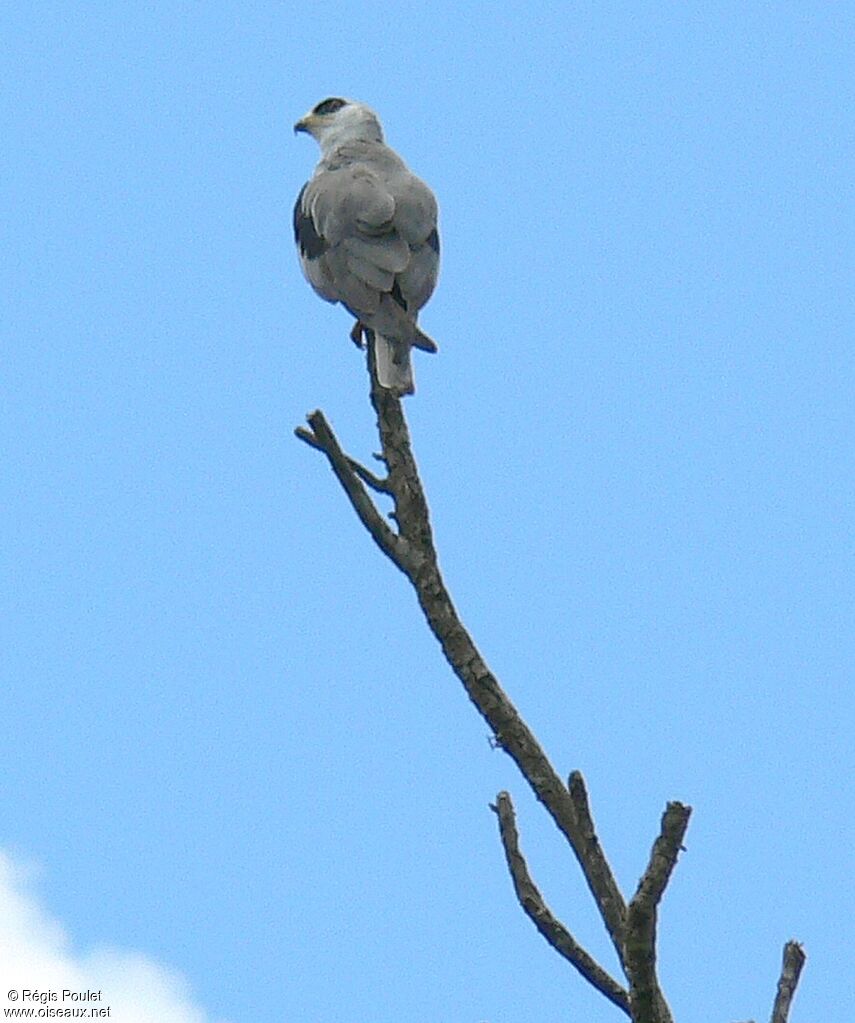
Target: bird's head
335, 120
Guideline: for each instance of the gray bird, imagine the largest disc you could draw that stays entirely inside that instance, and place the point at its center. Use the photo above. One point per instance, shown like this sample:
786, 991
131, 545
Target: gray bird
366, 230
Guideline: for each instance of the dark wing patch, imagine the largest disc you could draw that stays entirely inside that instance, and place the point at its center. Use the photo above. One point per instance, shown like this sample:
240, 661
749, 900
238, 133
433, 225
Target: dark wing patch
312, 245
396, 294
433, 240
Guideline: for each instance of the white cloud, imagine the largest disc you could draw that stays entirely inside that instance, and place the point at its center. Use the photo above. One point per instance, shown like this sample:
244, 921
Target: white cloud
36, 954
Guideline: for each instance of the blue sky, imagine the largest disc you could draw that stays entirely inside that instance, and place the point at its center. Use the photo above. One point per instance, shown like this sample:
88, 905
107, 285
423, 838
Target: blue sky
239, 781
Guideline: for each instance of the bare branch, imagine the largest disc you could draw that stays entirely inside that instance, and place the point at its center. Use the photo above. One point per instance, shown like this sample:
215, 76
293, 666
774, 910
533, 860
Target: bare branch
648, 1004
366, 475
380, 484
794, 960
632, 930
541, 916
592, 850
413, 552
663, 856
411, 510
323, 439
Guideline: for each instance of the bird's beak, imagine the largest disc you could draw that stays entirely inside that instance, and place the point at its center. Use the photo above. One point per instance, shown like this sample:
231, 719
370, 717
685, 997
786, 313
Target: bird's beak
304, 124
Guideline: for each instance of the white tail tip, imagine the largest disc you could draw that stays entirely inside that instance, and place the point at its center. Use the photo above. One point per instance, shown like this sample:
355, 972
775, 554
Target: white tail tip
394, 366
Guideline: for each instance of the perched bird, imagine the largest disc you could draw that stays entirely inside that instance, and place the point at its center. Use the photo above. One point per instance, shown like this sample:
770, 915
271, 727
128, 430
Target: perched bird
366, 230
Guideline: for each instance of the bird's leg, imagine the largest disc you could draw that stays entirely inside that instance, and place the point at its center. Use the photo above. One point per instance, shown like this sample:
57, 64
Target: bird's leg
357, 335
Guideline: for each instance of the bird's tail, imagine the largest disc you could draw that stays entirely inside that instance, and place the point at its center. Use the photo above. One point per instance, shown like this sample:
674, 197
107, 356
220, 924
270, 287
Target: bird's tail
394, 365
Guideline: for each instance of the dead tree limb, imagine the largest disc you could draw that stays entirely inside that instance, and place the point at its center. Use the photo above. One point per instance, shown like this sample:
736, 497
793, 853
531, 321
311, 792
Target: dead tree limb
791, 968
412, 550
410, 547
544, 920
640, 945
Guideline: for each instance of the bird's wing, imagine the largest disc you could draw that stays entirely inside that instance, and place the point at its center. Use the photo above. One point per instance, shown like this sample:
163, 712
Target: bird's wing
367, 229
416, 222
350, 250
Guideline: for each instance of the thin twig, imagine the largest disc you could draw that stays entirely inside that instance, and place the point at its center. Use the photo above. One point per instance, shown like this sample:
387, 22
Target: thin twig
366, 475
542, 917
380, 484
325, 440
791, 968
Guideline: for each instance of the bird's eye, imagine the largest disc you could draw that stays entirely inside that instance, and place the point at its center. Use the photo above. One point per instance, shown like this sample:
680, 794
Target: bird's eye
329, 106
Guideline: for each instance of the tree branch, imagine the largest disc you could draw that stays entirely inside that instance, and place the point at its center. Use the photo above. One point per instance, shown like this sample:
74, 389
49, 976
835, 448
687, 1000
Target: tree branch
648, 1004
541, 916
791, 968
412, 550
366, 475
591, 848
322, 438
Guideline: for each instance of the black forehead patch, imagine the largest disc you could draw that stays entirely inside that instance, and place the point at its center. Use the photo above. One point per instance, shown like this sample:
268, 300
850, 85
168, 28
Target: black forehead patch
329, 106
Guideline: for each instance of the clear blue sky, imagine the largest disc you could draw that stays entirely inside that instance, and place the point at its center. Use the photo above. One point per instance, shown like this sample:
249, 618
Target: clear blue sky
231, 747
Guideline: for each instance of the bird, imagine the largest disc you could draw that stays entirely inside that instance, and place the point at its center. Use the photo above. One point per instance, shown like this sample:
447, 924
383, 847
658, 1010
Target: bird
366, 231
